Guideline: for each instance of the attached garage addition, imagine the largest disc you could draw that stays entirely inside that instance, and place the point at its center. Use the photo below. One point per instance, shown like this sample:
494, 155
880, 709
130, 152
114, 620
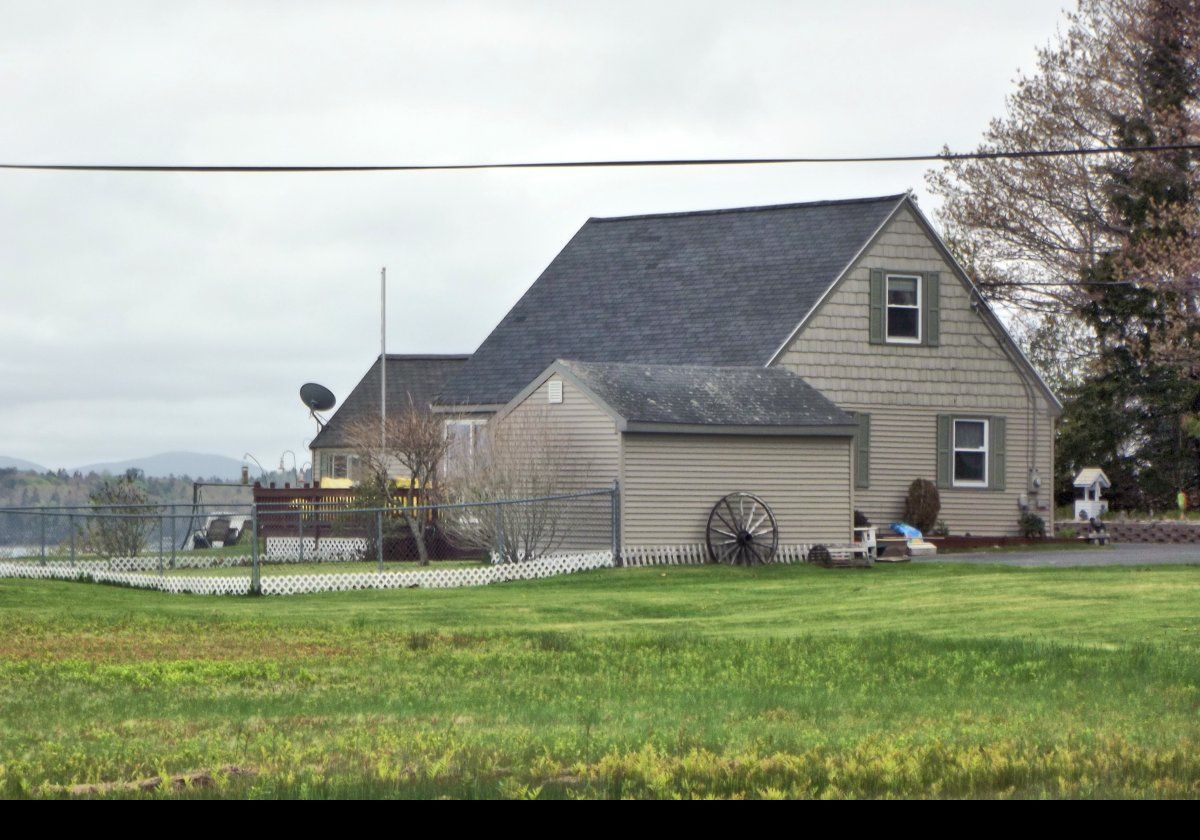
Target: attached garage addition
679, 437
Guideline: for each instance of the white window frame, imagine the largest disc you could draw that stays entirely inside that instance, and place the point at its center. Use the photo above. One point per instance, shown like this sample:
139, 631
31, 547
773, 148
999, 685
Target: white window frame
888, 305
986, 449
472, 437
334, 460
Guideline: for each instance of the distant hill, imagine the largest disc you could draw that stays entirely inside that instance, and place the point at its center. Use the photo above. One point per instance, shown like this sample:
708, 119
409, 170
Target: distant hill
193, 464
20, 464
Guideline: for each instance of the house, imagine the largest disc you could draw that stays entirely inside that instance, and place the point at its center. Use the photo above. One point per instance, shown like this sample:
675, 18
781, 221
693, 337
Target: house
682, 350
412, 380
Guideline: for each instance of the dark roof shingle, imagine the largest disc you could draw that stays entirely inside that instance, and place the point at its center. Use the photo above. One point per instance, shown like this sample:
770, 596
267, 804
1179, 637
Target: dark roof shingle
419, 378
694, 395
721, 287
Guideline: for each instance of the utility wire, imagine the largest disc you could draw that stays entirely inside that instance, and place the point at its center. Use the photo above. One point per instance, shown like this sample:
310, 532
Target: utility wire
615, 164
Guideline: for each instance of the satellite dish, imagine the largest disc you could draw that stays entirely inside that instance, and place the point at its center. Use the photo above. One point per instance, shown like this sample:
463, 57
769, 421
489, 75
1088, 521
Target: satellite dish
317, 397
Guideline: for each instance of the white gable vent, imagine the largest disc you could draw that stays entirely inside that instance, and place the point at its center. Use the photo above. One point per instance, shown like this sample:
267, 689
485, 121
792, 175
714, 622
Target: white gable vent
555, 390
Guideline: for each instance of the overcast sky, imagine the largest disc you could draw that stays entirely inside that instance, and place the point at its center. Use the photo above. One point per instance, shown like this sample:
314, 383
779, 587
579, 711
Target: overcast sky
142, 313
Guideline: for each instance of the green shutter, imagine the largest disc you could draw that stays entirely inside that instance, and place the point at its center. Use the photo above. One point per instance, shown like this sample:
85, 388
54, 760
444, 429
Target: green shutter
932, 304
877, 313
862, 451
997, 453
945, 458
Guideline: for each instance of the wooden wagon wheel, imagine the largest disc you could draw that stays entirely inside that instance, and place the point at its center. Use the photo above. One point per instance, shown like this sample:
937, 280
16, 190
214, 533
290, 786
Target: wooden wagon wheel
742, 531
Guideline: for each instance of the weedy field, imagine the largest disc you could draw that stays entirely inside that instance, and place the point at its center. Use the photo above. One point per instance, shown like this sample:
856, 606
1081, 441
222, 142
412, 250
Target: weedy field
925, 681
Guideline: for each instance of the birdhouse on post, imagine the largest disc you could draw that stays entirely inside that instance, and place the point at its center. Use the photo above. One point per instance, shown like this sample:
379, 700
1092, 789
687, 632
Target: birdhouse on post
1088, 486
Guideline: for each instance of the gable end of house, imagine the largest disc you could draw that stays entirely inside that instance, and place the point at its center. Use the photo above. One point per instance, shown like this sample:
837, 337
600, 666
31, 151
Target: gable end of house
908, 210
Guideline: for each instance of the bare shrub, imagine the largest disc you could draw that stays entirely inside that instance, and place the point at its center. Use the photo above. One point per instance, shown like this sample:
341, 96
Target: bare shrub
118, 526
413, 445
522, 456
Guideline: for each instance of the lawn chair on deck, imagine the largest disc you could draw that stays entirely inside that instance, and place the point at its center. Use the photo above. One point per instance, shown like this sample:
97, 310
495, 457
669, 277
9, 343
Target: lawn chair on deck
218, 533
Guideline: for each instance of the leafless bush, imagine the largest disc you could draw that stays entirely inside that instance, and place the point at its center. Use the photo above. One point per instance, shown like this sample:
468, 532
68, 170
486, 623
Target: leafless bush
413, 445
117, 527
521, 456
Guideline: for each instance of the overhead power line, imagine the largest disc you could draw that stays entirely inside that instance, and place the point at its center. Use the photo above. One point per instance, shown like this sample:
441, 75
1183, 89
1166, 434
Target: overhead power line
612, 164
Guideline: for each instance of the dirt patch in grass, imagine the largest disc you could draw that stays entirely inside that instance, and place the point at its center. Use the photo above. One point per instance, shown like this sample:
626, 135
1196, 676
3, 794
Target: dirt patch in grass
157, 645
195, 780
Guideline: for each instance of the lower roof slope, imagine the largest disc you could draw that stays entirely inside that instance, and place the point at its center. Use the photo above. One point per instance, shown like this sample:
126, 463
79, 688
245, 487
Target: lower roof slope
694, 395
411, 380
720, 287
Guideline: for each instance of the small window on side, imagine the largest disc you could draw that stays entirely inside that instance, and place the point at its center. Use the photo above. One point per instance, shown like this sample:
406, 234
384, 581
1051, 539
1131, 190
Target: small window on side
903, 308
970, 453
341, 466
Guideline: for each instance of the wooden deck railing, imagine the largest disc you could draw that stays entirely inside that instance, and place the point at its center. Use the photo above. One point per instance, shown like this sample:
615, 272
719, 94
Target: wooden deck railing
322, 512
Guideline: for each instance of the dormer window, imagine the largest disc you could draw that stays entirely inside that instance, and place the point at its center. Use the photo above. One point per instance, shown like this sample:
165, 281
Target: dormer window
903, 308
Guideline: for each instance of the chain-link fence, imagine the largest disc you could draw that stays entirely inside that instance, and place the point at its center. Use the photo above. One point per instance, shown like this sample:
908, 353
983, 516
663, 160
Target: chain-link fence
239, 546
136, 537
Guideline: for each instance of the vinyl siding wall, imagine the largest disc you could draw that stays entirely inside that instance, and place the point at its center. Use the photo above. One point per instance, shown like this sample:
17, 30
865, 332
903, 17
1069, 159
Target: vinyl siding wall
905, 387
593, 459
671, 482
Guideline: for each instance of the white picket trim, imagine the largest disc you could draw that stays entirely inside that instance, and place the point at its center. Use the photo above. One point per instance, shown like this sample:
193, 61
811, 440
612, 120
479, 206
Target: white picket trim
696, 553
325, 550
139, 571
433, 578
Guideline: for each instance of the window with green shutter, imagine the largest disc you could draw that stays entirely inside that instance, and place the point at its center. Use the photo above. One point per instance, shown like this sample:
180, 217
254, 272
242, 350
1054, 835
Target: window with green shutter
943, 451
931, 301
905, 308
876, 315
998, 453
862, 450
971, 452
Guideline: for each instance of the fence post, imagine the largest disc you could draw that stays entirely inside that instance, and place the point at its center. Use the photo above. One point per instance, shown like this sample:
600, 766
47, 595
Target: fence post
42, 529
255, 580
616, 522
379, 538
71, 523
161, 571
300, 529
173, 535
500, 533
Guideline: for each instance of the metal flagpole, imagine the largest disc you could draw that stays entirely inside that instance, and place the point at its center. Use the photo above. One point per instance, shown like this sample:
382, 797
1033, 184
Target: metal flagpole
383, 363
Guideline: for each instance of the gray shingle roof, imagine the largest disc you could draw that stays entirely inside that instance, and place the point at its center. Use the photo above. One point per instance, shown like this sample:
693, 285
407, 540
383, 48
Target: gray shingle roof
720, 287
417, 377
694, 395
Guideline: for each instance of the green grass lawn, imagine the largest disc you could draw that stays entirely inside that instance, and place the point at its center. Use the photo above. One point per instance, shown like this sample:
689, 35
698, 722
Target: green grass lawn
913, 680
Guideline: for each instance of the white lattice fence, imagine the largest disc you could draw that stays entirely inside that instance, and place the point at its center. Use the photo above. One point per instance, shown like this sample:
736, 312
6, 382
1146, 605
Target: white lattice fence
144, 563
696, 553
557, 564
324, 550
199, 584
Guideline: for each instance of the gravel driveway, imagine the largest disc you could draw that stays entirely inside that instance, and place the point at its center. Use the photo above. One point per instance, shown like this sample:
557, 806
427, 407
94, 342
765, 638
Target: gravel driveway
1123, 554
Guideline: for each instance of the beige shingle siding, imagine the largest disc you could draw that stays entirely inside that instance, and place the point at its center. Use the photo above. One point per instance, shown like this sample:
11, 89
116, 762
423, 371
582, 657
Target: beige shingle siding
904, 447
905, 387
593, 452
670, 483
